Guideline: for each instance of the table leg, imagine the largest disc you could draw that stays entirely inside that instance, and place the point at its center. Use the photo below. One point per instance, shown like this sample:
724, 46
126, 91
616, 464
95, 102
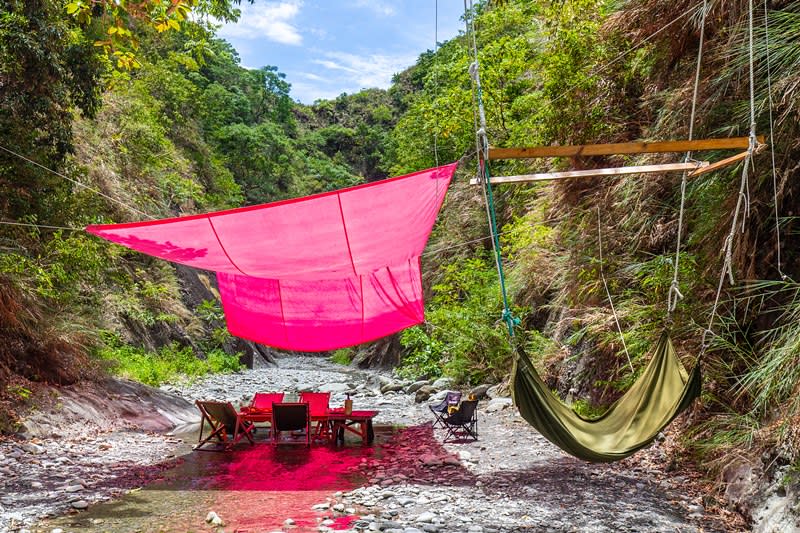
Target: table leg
370, 432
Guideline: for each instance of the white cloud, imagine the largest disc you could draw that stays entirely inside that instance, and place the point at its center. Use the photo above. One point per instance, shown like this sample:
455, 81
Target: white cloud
373, 70
269, 20
311, 76
385, 9
308, 93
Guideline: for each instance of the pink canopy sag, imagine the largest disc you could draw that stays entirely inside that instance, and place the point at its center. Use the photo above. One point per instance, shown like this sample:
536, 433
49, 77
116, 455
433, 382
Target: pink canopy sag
311, 274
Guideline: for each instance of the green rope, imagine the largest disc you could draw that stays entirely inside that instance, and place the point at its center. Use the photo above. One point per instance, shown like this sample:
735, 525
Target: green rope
507, 316
482, 152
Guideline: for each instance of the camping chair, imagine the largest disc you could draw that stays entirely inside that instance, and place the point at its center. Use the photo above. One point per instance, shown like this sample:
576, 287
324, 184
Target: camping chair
442, 409
318, 406
260, 408
463, 422
291, 417
262, 401
224, 421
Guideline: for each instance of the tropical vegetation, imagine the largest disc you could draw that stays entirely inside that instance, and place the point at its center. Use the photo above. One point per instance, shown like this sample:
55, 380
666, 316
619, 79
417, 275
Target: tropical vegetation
145, 113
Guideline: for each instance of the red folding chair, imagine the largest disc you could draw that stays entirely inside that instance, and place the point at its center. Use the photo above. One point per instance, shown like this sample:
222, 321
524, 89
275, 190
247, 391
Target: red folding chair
259, 411
318, 406
262, 401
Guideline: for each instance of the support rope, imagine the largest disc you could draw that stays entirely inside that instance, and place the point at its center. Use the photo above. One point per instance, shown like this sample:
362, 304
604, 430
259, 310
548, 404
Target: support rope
608, 293
674, 294
41, 226
435, 85
783, 276
74, 181
743, 198
482, 149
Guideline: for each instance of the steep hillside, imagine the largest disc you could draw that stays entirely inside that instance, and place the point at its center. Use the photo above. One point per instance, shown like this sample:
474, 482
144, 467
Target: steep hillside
189, 130
592, 71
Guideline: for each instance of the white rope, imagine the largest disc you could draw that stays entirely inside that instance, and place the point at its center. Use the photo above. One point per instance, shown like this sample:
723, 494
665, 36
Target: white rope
74, 181
435, 85
472, 65
783, 276
44, 226
752, 79
674, 294
481, 141
743, 197
728, 256
608, 293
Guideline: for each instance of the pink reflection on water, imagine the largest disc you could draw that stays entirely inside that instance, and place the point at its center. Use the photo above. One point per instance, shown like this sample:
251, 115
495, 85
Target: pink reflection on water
292, 468
262, 486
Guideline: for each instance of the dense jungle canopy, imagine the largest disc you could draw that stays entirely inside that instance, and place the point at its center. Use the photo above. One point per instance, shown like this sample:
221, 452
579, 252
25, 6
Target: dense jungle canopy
145, 113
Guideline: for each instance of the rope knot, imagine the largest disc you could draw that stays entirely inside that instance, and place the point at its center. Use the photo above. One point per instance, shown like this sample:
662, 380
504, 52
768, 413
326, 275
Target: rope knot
704, 340
508, 317
675, 295
473, 70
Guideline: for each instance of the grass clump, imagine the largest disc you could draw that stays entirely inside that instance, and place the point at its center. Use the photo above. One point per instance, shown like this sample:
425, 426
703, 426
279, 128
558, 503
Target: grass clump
169, 364
343, 356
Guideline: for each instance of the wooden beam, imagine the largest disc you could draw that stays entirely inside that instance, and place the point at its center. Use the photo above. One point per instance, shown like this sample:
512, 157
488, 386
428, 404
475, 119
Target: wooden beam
616, 171
719, 164
640, 147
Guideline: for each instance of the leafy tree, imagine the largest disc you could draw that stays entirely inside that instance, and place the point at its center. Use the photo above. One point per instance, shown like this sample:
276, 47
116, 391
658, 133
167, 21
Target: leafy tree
120, 23
260, 158
46, 68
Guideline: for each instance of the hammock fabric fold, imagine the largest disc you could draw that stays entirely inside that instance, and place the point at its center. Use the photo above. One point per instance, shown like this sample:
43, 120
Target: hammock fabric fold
310, 274
660, 394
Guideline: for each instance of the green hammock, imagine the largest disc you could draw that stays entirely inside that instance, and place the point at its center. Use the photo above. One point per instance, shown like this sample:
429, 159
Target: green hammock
660, 394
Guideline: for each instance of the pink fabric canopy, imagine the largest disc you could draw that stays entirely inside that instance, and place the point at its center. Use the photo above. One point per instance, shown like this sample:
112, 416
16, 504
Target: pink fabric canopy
316, 273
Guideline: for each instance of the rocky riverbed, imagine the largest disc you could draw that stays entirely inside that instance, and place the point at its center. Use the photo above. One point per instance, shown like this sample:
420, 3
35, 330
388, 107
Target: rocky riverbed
107, 474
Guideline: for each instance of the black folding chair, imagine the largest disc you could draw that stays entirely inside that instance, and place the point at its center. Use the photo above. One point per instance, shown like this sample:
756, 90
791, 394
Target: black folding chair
294, 418
441, 410
463, 423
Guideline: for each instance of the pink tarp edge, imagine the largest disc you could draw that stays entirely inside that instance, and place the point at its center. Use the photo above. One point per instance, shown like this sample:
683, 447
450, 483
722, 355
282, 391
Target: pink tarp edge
311, 274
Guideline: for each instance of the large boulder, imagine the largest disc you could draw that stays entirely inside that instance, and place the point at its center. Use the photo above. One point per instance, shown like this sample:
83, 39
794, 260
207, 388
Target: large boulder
498, 404
423, 393
414, 387
110, 404
479, 392
742, 479
392, 387
443, 383
383, 353
438, 396
337, 387
377, 381
501, 390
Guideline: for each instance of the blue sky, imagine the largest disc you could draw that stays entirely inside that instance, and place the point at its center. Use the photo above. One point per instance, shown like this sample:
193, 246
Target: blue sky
329, 47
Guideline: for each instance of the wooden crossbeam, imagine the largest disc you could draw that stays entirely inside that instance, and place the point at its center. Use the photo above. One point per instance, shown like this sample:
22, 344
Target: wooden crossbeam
639, 147
616, 171
719, 164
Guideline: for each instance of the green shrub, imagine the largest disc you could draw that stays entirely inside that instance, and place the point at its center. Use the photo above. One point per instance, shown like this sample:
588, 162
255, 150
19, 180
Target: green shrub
463, 337
424, 354
343, 356
169, 364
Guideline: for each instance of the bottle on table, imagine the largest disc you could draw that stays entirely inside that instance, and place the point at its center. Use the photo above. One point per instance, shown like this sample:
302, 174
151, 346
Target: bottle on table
348, 405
